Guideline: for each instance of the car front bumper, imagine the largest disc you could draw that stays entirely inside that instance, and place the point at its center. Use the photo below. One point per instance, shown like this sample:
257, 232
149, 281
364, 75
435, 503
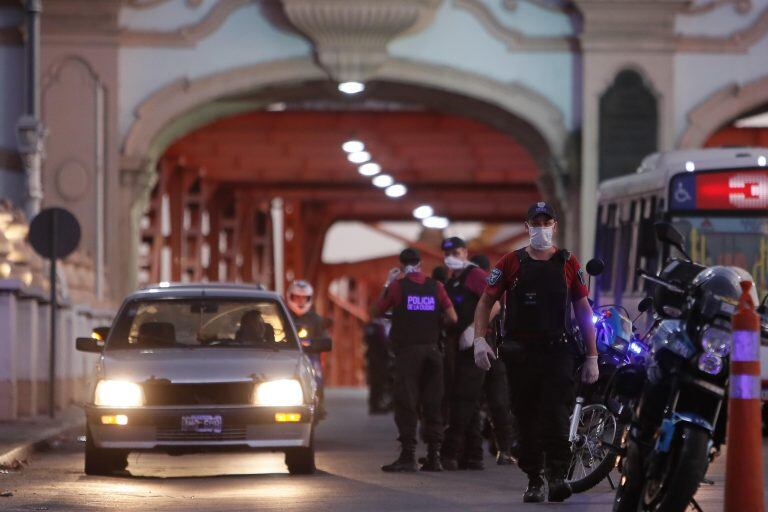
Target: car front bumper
157, 428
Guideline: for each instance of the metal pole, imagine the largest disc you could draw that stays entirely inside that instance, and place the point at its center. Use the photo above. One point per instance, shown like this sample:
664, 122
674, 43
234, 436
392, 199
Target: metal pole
54, 307
30, 130
278, 244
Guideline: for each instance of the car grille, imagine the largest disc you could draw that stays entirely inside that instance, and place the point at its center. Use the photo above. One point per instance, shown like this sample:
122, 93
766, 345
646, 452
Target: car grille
237, 433
216, 393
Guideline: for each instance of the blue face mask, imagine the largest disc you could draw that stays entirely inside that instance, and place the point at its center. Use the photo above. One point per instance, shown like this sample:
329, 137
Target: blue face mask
541, 237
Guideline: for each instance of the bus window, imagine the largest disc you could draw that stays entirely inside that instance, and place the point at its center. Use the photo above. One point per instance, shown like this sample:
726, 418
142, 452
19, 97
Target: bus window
624, 258
606, 238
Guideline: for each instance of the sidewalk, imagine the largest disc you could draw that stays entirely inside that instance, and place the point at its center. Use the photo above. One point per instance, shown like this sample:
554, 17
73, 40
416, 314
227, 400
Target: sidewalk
18, 438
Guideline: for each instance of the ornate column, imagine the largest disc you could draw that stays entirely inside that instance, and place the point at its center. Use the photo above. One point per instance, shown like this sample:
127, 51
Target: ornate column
617, 35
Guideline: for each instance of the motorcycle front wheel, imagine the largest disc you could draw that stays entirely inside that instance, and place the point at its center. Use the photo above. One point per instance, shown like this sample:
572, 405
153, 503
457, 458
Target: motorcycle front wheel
594, 453
672, 489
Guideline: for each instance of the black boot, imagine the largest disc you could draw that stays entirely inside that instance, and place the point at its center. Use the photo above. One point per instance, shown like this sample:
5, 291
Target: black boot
433, 459
405, 463
535, 491
559, 489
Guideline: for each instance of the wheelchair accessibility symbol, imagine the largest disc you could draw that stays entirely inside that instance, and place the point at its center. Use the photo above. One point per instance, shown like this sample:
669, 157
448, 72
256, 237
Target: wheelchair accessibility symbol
682, 195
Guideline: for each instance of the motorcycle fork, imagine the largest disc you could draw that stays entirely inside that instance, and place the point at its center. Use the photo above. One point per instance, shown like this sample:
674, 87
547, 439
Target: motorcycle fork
574, 428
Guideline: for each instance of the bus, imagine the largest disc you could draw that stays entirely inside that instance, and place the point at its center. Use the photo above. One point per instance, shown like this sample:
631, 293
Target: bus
717, 198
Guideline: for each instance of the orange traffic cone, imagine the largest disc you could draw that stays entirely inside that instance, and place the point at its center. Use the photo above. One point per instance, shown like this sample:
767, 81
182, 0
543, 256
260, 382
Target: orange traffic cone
744, 461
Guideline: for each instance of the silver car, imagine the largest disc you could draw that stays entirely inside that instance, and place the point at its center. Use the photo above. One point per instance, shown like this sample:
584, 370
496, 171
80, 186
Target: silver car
187, 368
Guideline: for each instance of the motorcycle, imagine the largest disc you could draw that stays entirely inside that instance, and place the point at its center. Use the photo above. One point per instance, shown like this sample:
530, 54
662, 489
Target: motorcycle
601, 413
679, 422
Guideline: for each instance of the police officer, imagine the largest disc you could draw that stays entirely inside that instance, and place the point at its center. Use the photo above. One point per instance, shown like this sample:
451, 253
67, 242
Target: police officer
465, 285
309, 325
416, 303
497, 396
541, 283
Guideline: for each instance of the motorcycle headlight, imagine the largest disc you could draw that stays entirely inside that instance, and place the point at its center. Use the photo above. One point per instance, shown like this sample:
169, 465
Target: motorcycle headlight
278, 393
118, 393
710, 363
716, 341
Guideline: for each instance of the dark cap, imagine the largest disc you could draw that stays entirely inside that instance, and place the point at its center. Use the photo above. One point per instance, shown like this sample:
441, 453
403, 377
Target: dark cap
541, 208
410, 256
452, 243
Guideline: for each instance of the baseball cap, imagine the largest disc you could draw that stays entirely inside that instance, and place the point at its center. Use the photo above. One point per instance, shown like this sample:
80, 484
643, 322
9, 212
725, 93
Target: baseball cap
410, 256
541, 208
452, 243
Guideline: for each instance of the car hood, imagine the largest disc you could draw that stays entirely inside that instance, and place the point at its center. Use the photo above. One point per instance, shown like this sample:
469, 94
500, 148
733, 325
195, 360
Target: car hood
199, 365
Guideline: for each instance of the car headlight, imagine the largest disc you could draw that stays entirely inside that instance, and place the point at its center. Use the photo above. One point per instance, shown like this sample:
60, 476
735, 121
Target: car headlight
118, 393
278, 393
716, 341
710, 363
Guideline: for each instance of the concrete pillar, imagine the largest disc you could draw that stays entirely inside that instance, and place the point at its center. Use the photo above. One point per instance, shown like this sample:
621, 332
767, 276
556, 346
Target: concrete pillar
8, 329
27, 354
637, 35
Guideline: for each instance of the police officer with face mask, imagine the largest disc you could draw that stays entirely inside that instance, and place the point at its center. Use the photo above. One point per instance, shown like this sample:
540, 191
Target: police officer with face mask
463, 446
417, 303
541, 283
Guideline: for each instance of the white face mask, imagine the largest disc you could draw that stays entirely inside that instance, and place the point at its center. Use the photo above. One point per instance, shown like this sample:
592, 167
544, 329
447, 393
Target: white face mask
412, 268
541, 237
454, 263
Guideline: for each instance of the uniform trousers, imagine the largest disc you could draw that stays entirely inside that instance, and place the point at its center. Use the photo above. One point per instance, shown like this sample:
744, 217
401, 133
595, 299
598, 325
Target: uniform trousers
418, 387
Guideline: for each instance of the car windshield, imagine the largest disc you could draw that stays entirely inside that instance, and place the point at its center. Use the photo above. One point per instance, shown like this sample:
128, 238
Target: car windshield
738, 241
208, 322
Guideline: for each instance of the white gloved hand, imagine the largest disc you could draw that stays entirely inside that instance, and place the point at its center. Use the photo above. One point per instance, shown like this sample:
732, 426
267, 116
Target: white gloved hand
483, 354
589, 372
393, 274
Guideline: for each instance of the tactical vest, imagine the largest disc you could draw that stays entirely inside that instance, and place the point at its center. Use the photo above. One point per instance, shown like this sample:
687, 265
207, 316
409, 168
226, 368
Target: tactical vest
416, 320
464, 300
538, 301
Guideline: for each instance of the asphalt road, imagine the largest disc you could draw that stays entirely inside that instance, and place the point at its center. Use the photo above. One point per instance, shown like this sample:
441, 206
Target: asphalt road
352, 446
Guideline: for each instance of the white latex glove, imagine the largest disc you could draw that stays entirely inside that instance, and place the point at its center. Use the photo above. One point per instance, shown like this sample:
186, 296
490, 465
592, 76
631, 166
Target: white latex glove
393, 274
483, 354
589, 372
467, 338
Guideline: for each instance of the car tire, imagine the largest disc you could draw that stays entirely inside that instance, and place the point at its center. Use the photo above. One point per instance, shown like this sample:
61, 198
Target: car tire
301, 460
103, 461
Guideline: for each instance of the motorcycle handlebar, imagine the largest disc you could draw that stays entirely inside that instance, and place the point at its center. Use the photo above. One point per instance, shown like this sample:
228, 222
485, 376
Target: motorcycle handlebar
649, 277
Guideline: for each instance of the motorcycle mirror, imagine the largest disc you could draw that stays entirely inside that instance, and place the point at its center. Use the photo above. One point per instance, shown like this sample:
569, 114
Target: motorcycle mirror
645, 304
595, 267
668, 234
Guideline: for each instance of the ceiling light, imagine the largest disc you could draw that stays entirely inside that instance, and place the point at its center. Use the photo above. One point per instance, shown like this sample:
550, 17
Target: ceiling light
353, 146
369, 169
435, 222
351, 87
423, 211
690, 166
396, 190
383, 180
359, 157
761, 161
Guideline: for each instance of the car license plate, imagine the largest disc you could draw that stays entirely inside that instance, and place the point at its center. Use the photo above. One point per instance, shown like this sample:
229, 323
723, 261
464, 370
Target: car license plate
201, 423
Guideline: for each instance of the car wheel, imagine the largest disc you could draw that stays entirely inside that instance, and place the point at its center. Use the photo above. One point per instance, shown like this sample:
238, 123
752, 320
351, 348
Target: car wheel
103, 461
301, 460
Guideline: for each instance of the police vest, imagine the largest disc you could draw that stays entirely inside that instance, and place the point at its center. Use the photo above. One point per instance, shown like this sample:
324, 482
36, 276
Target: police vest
416, 320
464, 300
537, 302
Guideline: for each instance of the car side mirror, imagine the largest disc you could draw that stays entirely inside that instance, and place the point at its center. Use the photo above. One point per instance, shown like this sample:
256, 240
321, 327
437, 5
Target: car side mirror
595, 267
645, 304
88, 345
317, 345
666, 233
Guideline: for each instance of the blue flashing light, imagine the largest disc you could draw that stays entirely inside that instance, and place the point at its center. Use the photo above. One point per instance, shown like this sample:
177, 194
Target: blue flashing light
635, 347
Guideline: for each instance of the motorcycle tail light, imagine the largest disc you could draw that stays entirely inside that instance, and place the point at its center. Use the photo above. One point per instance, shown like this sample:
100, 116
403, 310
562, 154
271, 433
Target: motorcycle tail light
710, 363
